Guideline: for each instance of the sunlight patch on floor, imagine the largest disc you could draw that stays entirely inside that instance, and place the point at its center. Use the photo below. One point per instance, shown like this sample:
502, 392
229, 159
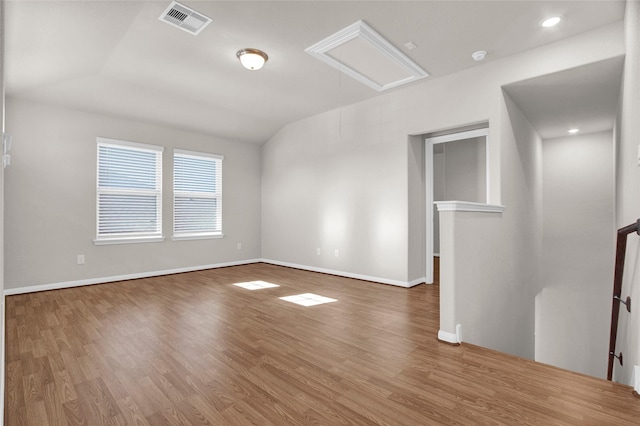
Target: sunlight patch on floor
256, 285
308, 299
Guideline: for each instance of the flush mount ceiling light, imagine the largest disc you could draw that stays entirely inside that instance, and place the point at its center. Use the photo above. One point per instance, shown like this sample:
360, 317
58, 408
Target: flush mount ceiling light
574, 131
550, 22
252, 59
363, 54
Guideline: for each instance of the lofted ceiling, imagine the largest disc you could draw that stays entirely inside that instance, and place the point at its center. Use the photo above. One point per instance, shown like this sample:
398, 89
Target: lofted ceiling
118, 58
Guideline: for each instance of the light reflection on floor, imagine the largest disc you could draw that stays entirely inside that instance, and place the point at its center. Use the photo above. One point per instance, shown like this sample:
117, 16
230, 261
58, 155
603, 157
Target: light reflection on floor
256, 285
308, 299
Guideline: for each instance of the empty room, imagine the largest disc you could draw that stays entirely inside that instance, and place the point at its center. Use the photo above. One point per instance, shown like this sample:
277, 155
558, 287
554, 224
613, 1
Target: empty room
320, 212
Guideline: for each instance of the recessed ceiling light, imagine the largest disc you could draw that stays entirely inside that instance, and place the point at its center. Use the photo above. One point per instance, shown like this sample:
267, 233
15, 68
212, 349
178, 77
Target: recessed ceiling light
551, 21
479, 55
574, 131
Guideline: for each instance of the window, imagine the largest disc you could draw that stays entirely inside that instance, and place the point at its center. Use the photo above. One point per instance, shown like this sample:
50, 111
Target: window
129, 192
197, 195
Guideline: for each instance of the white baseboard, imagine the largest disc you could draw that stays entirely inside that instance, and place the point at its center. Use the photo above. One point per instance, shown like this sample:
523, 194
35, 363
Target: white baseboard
102, 280
453, 338
405, 284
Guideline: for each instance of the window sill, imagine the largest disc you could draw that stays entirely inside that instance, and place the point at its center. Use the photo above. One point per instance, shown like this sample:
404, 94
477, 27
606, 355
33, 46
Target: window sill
187, 237
130, 240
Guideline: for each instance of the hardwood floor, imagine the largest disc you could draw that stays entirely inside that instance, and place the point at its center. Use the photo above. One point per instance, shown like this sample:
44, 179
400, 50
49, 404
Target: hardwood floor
192, 349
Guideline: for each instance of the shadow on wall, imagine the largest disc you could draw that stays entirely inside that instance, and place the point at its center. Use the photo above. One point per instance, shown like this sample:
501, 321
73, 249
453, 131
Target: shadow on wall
568, 331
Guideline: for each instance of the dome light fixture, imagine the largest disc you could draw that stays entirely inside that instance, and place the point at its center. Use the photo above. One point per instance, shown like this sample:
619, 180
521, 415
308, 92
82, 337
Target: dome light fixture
252, 59
573, 131
552, 21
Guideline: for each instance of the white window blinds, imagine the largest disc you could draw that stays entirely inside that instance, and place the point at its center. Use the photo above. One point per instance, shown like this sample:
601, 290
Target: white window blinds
129, 190
197, 194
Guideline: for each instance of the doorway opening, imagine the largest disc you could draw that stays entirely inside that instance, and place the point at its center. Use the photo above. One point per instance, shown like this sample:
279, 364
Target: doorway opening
456, 169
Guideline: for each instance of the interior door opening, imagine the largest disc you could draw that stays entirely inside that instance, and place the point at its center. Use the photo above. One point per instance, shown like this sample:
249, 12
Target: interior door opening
456, 168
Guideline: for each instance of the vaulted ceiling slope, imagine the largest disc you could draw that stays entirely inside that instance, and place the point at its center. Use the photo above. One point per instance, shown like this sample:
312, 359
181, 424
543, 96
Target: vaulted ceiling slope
118, 58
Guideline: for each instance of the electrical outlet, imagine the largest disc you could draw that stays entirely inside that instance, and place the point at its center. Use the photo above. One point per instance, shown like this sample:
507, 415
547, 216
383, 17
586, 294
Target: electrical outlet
239, 246
336, 253
318, 252
81, 259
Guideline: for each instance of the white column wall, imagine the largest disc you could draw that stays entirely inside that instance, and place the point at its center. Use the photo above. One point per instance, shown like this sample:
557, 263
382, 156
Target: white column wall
628, 195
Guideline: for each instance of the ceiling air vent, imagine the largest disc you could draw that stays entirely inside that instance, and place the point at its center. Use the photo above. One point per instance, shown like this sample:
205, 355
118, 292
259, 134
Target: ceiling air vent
186, 19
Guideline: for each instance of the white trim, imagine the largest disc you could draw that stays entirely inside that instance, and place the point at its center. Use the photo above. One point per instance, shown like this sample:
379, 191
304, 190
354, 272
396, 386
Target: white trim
102, 280
186, 237
448, 337
467, 206
197, 154
136, 145
445, 336
459, 136
417, 281
119, 238
429, 182
636, 378
429, 215
124, 240
405, 284
365, 32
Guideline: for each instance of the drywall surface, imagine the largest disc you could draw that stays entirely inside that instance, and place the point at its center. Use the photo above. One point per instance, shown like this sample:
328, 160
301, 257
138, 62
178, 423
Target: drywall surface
51, 199
496, 255
438, 195
459, 173
417, 207
574, 309
339, 181
628, 192
2, 220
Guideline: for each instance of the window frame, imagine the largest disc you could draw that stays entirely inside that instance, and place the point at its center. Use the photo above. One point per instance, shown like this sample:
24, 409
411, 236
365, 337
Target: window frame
130, 237
218, 160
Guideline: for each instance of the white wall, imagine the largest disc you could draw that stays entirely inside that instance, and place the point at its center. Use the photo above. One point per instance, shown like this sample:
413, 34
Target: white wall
494, 270
51, 208
417, 207
326, 187
2, 299
340, 180
459, 173
438, 195
574, 308
628, 193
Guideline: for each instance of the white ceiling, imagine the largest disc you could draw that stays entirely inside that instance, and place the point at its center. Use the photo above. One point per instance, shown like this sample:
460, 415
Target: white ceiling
117, 58
584, 98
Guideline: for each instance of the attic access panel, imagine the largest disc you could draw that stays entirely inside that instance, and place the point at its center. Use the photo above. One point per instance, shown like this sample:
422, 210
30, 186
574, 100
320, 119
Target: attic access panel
363, 54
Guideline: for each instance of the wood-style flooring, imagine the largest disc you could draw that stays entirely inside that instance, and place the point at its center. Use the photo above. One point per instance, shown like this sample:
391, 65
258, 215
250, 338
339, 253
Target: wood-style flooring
192, 349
